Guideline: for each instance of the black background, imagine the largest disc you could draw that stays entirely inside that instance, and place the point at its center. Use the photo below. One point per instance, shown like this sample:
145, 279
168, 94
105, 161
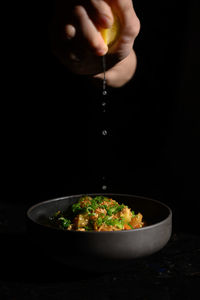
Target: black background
52, 120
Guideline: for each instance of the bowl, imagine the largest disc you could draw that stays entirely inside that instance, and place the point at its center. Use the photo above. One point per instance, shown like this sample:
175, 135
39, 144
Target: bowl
100, 251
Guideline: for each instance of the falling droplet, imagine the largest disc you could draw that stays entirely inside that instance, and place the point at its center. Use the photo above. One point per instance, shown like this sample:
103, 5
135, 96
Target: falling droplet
104, 92
104, 187
104, 132
103, 106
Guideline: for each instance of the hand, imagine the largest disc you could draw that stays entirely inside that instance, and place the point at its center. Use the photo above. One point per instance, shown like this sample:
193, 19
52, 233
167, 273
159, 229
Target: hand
77, 41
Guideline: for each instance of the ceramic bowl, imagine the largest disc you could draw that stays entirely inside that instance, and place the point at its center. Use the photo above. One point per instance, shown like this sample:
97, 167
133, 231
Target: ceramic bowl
100, 251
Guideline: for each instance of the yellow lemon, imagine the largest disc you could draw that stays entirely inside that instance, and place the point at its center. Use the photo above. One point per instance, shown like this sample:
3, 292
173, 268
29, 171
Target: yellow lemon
111, 34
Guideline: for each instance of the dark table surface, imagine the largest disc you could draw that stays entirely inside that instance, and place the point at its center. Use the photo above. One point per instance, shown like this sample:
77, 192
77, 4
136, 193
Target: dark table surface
172, 273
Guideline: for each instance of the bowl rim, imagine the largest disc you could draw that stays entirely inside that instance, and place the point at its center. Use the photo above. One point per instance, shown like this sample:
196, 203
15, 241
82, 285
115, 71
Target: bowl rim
148, 227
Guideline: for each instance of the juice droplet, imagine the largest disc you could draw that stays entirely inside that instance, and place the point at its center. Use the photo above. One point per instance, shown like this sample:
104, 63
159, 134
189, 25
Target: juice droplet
104, 132
103, 104
104, 187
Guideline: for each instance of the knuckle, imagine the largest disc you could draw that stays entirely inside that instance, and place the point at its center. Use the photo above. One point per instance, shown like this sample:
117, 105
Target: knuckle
134, 27
131, 31
137, 26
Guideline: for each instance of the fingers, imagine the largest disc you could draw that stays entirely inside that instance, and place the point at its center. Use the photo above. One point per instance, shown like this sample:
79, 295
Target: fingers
129, 27
130, 23
70, 31
89, 32
88, 19
101, 13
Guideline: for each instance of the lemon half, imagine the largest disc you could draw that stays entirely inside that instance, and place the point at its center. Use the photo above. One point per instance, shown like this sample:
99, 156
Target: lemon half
111, 34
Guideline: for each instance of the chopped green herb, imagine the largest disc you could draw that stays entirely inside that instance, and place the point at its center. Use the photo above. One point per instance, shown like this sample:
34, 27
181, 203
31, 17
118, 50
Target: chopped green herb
92, 213
130, 226
99, 221
99, 199
76, 208
114, 209
64, 222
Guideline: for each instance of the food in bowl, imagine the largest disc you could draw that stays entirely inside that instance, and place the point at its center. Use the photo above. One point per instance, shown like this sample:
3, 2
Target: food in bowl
97, 213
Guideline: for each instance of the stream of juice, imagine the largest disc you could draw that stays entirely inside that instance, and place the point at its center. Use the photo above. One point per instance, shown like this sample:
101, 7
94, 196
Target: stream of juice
104, 93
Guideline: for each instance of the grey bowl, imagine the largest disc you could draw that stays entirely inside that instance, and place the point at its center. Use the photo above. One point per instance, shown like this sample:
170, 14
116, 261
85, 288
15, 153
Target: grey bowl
100, 251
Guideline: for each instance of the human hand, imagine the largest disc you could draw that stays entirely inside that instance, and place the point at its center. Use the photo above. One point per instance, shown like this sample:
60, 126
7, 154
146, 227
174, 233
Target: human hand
77, 41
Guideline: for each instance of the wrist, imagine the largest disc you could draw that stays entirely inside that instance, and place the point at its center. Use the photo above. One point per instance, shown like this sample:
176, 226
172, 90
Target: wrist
120, 73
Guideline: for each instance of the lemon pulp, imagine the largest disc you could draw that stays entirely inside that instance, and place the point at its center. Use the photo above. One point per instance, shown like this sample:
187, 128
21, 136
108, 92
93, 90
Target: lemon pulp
110, 34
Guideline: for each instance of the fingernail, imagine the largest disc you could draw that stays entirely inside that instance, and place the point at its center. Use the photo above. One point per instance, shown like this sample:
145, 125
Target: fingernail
106, 21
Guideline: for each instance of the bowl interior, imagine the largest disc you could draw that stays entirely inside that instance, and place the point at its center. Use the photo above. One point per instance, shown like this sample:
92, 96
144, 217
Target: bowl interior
153, 211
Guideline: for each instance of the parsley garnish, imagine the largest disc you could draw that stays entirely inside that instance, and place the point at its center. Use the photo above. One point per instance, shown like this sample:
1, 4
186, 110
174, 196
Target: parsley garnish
64, 222
130, 226
112, 210
77, 209
107, 220
89, 209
